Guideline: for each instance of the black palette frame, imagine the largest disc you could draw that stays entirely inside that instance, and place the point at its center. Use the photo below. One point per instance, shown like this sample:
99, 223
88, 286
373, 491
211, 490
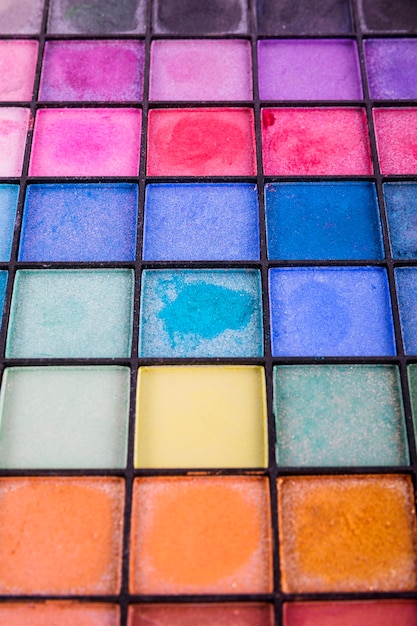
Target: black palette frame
273, 471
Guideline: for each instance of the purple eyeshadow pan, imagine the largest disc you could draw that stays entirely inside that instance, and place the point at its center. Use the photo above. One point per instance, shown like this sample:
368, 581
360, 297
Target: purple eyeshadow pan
391, 68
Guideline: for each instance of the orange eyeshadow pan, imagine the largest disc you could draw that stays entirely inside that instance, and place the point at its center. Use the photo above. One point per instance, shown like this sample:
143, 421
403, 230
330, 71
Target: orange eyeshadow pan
201, 535
60, 535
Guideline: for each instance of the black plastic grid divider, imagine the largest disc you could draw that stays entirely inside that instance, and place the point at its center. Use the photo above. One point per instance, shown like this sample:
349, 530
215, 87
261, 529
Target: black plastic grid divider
273, 471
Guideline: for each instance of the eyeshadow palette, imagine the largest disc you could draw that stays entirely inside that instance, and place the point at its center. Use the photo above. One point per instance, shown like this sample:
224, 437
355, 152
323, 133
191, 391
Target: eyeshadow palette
208, 295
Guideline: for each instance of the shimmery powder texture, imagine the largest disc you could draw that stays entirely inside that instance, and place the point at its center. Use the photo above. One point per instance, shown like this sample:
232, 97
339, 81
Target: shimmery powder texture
201, 416
309, 70
200, 313
64, 613
200, 535
20, 17
332, 311
401, 207
97, 17
326, 221
79, 222
311, 403
396, 136
221, 222
13, 128
380, 15
347, 534
200, 70
283, 17
92, 71
406, 281
8, 204
46, 526
315, 141
369, 612
200, 18
64, 417
71, 314
86, 142
201, 142
224, 614
390, 65
17, 69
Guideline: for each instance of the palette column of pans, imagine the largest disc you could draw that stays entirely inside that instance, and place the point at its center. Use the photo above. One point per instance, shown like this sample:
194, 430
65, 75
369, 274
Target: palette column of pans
208, 218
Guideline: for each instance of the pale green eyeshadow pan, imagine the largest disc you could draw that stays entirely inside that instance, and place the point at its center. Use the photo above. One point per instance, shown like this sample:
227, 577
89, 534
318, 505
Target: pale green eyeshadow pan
64, 417
339, 415
71, 314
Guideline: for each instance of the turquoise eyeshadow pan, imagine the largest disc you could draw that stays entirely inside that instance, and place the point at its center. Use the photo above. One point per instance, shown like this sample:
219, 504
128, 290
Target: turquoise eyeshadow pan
200, 313
339, 415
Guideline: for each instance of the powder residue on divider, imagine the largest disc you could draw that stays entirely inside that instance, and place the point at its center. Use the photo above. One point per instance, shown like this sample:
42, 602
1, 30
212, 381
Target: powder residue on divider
316, 141
201, 535
92, 71
207, 313
221, 222
224, 614
64, 417
339, 415
86, 142
64, 613
201, 142
14, 124
201, 416
97, 17
309, 69
17, 69
351, 613
60, 536
200, 70
347, 533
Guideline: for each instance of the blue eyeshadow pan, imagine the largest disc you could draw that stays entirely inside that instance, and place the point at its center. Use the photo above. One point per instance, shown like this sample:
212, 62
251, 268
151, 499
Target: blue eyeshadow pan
220, 222
331, 311
323, 221
79, 222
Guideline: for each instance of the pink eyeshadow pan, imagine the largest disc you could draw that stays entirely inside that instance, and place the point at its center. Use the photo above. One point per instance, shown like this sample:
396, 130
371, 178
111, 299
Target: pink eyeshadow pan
17, 69
396, 136
13, 128
92, 71
86, 142
317, 141
200, 70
